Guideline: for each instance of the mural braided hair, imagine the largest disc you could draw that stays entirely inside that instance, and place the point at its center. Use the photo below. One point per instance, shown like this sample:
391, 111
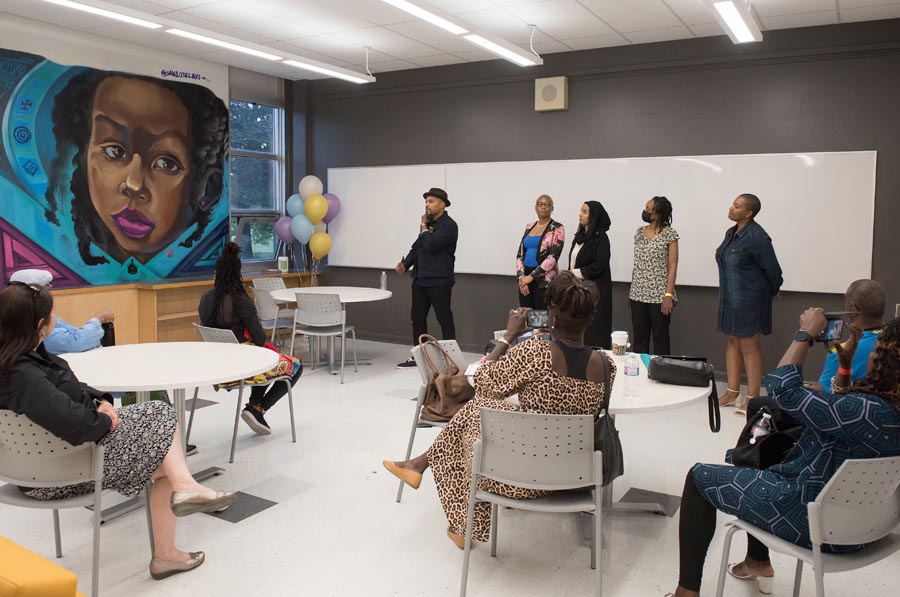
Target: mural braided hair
884, 381
71, 115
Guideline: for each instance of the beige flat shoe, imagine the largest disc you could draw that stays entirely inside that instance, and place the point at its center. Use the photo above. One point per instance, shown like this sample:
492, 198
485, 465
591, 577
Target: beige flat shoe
457, 539
160, 569
185, 503
411, 478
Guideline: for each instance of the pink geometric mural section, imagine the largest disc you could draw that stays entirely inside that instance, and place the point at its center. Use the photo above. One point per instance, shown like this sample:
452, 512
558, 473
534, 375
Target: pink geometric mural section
18, 252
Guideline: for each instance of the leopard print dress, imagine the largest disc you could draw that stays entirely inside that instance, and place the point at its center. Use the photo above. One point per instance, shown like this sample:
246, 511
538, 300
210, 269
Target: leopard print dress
525, 370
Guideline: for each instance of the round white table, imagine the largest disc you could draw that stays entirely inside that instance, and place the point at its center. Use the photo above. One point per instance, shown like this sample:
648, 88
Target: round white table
347, 294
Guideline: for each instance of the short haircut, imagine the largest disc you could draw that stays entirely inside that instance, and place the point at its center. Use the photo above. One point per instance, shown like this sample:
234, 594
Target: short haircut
547, 197
752, 202
868, 297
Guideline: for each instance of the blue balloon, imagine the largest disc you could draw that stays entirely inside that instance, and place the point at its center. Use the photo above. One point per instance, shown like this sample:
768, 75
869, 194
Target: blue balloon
302, 228
294, 205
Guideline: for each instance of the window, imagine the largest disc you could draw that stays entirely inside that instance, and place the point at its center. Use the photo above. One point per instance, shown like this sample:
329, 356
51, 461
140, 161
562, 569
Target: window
257, 177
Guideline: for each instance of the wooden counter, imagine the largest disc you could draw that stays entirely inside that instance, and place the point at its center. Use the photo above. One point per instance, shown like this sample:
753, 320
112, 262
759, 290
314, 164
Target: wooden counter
162, 312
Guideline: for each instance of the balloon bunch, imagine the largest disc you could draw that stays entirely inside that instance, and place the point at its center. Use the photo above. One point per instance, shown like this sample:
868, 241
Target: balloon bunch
309, 213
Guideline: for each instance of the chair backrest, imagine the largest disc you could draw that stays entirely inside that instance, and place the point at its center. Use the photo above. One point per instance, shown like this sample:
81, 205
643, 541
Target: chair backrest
269, 284
860, 504
438, 359
216, 335
538, 451
319, 310
31, 456
266, 307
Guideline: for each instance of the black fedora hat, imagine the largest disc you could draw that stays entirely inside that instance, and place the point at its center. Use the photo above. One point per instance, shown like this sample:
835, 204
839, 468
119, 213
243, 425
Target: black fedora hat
439, 193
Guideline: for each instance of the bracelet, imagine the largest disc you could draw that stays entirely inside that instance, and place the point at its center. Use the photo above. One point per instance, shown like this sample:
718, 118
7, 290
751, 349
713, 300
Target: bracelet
670, 295
843, 371
502, 340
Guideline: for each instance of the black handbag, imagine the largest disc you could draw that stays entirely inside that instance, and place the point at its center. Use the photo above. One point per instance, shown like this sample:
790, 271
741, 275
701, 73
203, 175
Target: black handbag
606, 436
771, 448
689, 371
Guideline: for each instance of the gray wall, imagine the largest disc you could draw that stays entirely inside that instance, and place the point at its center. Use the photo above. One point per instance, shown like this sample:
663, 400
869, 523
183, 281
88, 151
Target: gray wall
817, 89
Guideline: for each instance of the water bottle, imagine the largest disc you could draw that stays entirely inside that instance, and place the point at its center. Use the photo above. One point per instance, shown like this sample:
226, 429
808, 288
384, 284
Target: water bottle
384, 280
764, 426
632, 371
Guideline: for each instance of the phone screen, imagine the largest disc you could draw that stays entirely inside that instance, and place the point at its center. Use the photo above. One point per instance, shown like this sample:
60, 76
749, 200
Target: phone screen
538, 319
832, 331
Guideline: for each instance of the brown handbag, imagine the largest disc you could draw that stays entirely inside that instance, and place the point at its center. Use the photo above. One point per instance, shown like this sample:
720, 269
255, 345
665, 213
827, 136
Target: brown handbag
447, 391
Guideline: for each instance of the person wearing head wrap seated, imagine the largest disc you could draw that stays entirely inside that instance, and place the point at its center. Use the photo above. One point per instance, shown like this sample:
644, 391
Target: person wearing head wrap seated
589, 259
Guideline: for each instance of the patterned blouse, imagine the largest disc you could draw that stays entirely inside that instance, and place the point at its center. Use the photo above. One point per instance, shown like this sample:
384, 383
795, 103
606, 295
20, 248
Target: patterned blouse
651, 266
552, 241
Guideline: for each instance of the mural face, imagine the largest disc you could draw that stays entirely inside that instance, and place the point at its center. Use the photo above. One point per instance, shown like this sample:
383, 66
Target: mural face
119, 177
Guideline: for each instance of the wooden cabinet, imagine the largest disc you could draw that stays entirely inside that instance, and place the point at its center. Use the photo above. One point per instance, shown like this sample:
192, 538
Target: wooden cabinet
151, 312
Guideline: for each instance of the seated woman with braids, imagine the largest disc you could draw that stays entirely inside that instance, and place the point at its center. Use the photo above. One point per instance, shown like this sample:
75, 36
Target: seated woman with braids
861, 420
142, 442
559, 376
228, 307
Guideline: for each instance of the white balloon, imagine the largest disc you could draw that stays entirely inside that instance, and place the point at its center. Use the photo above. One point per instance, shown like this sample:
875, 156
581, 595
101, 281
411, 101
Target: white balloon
321, 227
310, 185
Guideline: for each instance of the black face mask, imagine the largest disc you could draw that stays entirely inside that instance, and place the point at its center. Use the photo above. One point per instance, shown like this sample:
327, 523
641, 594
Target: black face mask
646, 216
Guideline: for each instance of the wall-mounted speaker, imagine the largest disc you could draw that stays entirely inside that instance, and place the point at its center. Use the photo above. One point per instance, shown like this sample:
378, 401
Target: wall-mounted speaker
551, 93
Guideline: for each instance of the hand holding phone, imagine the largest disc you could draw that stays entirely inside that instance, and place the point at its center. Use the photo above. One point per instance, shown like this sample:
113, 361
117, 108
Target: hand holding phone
537, 319
832, 331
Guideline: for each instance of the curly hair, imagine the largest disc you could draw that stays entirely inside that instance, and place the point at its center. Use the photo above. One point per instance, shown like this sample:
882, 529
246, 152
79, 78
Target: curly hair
572, 300
884, 380
662, 207
71, 115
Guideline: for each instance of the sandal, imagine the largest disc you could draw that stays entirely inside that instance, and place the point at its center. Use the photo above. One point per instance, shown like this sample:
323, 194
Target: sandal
741, 572
724, 401
741, 410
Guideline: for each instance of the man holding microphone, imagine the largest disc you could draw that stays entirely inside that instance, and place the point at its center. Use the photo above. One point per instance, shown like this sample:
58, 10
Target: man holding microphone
431, 258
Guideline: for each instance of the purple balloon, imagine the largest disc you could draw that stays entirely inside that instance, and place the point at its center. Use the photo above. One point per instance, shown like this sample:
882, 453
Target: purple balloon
334, 207
283, 229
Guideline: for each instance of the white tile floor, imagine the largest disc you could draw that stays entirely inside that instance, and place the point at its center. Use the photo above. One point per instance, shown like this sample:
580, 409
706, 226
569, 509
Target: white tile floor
338, 531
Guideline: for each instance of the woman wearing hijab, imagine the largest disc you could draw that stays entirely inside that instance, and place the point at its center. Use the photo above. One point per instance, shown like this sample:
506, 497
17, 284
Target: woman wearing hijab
589, 260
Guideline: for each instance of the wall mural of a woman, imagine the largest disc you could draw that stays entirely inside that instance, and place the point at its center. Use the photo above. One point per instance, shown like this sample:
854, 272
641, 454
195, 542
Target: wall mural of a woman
136, 173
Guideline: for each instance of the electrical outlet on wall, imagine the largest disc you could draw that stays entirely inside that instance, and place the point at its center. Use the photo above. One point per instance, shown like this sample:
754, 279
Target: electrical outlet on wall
897, 310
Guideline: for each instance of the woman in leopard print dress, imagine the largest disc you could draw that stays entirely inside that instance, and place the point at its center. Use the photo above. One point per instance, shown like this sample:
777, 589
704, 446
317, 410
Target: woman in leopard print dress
561, 376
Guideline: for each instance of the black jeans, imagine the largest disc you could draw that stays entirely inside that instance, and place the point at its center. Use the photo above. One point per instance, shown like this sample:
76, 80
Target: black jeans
647, 320
260, 397
696, 527
535, 298
423, 298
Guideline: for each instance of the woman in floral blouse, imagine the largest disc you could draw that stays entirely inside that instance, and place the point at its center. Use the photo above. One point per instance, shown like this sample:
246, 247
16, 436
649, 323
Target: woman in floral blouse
540, 248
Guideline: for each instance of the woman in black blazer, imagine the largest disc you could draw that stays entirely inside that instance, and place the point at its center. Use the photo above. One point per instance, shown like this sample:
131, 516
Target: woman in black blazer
589, 259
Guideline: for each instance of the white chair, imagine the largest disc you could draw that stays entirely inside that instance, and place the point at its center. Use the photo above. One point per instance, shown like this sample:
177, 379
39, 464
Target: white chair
523, 449
860, 504
227, 337
271, 315
31, 456
437, 358
322, 316
269, 284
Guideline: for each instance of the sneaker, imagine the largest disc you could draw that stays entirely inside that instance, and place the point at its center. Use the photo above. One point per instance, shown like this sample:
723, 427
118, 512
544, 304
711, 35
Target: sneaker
254, 419
408, 363
191, 450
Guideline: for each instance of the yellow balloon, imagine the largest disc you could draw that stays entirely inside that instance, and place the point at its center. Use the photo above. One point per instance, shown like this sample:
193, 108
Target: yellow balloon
316, 207
320, 244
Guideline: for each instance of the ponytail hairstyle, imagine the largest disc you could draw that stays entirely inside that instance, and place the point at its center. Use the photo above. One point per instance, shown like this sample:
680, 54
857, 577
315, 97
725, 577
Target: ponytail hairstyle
572, 301
23, 309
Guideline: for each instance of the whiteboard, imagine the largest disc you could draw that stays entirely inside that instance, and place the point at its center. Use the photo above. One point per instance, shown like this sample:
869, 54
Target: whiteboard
810, 203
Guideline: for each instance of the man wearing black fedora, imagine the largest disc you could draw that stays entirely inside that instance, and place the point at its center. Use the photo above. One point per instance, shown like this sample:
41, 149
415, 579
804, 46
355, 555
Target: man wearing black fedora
431, 259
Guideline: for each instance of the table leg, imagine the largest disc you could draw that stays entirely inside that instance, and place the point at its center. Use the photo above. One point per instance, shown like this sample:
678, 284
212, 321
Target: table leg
611, 506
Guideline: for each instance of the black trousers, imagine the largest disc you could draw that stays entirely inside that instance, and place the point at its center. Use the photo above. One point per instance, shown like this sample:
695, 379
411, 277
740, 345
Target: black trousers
647, 320
535, 298
260, 397
696, 527
423, 298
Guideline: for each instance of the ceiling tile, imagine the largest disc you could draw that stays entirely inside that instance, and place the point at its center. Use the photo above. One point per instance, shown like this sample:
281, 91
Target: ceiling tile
655, 35
387, 41
692, 12
390, 65
634, 15
596, 41
438, 60
373, 11
707, 30
456, 7
331, 45
551, 47
864, 3
319, 15
811, 19
56, 15
499, 22
261, 23
870, 13
177, 4
154, 39
242, 34
477, 55
561, 19
146, 6
430, 35
772, 8
286, 47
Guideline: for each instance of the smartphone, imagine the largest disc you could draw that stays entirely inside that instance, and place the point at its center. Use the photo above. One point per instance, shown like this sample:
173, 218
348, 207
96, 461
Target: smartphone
538, 319
832, 331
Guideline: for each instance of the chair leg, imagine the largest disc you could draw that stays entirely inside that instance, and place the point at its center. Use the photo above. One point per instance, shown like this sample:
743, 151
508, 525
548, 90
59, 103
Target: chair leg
148, 487
293, 335
470, 519
798, 576
723, 566
291, 407
343, 354
412, 436
187, 437
237, 418
597, 543
95, 570
355, 366
494, 516
57, 537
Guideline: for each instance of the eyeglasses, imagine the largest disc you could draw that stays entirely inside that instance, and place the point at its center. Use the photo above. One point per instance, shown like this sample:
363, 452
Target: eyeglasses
543, 204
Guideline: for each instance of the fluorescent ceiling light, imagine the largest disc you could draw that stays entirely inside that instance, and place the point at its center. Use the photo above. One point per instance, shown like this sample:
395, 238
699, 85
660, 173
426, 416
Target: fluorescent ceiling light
223, 44
332, 71
520, 57
429, 15
735, 17
106, 13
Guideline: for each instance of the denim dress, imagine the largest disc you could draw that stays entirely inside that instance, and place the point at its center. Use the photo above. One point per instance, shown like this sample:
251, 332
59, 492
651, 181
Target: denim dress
749, 276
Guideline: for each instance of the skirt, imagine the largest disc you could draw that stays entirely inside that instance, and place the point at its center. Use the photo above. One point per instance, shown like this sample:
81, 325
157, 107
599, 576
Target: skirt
133, 452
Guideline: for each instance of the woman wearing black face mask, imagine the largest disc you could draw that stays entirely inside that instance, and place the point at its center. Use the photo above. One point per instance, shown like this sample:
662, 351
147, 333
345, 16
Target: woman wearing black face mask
652, 293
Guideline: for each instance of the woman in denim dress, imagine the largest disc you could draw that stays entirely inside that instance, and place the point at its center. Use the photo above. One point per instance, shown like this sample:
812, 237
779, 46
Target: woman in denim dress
749, 277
